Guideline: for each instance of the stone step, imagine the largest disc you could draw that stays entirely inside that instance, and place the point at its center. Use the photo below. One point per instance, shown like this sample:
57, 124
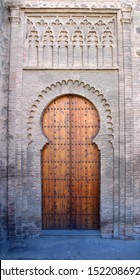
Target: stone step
70, 233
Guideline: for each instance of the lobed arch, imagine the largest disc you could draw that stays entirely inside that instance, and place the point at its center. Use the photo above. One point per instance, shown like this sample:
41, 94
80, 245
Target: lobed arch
34, 128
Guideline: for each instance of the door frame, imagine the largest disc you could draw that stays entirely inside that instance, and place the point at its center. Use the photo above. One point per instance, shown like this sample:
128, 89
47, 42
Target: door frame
104, 141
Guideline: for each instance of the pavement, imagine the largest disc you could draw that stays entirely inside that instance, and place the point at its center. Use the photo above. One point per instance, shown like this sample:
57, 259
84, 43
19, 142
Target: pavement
70, 245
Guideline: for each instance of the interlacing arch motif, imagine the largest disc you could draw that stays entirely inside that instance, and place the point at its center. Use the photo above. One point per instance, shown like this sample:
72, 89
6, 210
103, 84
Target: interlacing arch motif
81, 37
62, 88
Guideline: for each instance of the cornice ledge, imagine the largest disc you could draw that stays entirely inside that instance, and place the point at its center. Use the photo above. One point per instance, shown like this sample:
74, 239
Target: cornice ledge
14, 4
34, 4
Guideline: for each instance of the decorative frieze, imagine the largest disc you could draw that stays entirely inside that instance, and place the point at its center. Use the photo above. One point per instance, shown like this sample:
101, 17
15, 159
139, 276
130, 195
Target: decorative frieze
70, 41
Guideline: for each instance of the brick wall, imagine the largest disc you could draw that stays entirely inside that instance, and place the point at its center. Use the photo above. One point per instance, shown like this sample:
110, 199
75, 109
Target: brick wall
4, 76
136, 113
120, 88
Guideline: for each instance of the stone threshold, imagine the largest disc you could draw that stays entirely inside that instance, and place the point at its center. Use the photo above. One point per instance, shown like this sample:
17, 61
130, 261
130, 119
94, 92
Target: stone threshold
70, 233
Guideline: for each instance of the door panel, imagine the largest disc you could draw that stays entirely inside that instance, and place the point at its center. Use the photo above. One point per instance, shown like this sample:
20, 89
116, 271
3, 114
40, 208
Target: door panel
55, 165
70, 165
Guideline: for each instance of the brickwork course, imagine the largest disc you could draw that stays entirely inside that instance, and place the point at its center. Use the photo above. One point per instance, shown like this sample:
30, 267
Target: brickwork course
87, 48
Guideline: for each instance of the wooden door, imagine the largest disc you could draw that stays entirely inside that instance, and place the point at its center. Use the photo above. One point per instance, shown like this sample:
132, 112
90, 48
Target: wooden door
70, 165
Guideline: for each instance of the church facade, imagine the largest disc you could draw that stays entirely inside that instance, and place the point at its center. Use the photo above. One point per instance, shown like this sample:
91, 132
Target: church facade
70, 121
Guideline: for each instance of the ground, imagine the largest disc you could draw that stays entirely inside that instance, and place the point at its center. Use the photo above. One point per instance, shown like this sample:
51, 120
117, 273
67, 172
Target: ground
75, 246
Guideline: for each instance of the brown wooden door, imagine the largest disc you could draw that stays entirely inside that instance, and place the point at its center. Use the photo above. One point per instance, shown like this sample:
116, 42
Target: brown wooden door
70, 165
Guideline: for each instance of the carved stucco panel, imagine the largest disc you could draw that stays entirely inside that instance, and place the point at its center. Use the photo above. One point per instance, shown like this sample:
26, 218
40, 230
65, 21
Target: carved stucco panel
70, 41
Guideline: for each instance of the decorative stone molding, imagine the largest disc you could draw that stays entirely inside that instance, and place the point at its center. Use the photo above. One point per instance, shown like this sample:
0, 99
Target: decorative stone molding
62, 88
15, 13
72, 41
126, 14
71, 4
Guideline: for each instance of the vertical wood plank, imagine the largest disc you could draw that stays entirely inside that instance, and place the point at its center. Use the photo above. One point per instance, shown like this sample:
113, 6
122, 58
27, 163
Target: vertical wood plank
70, 165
